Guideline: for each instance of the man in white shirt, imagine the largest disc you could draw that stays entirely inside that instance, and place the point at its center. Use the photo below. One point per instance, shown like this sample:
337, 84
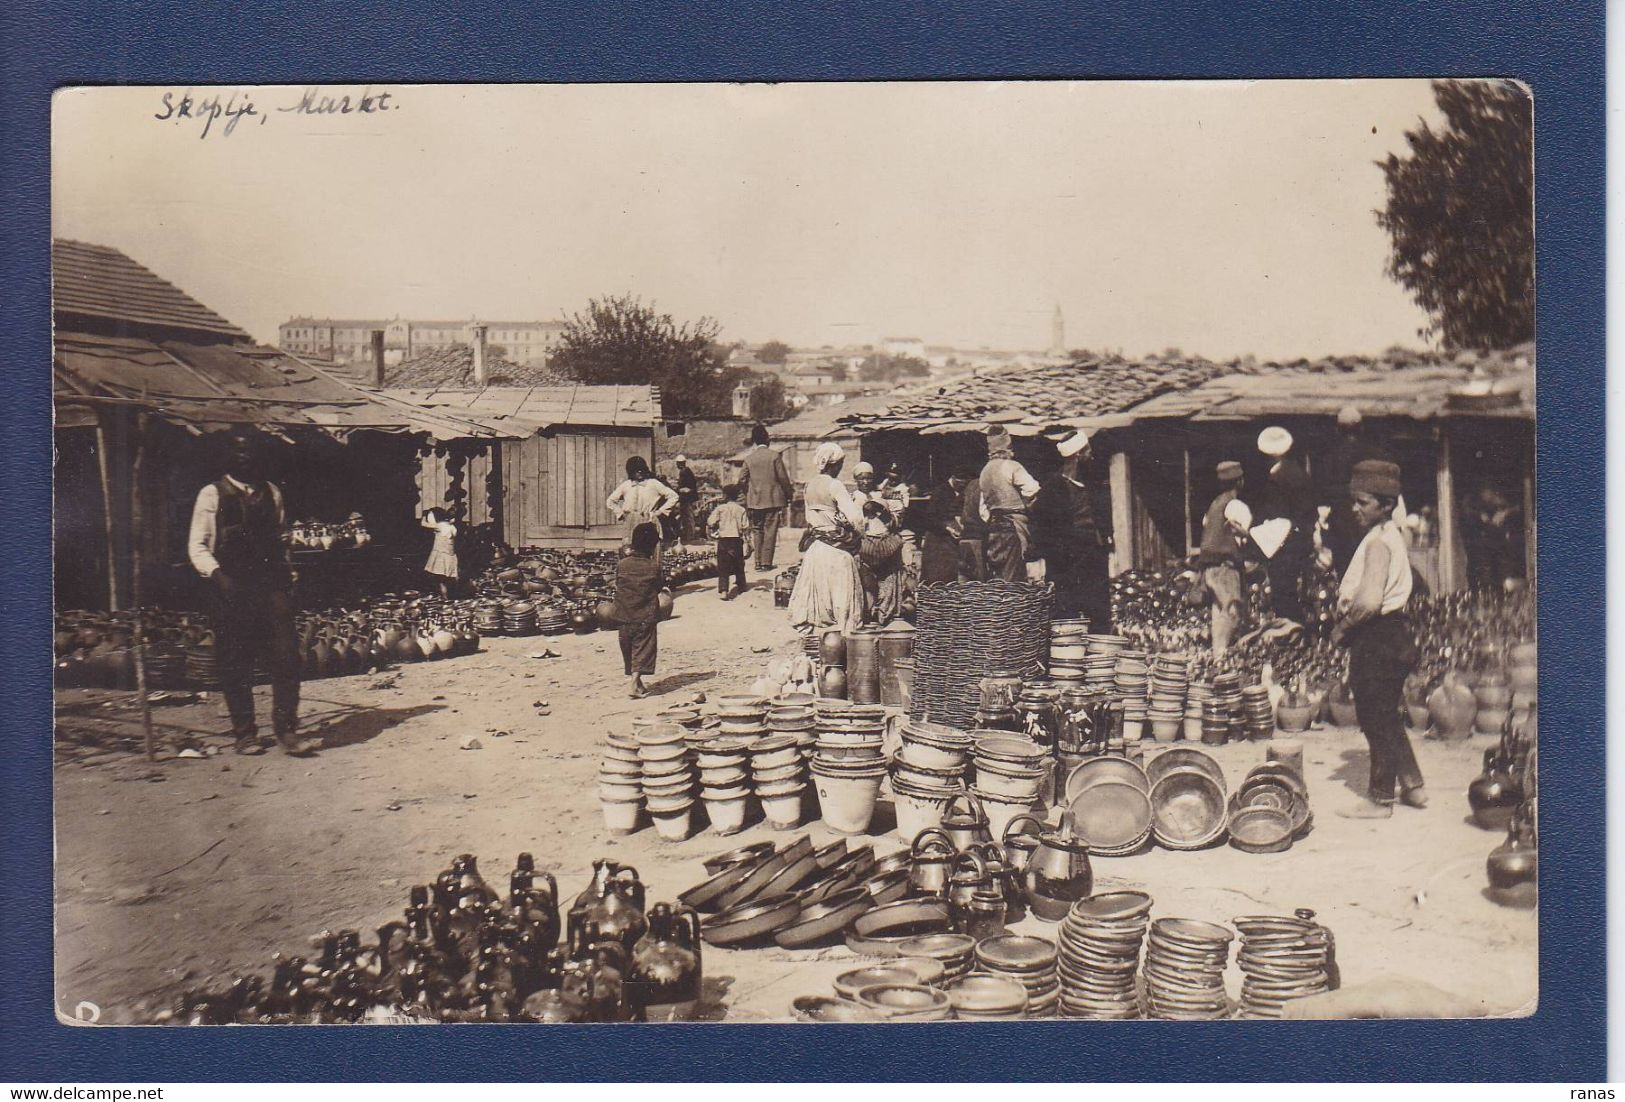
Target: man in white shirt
238, 542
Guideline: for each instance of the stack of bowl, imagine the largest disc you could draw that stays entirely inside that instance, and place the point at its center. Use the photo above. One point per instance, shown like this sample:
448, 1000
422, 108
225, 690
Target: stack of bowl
620, 784
955, 952
668, 779
488, 618
1197, 694
1165, 709
1187, 799
1031, 962
1100, 952
927, 771
552, 621
1215, 722
1257, 713
1108, 804
1100, 673
1227, 694
984, 996
1184, 970
519, 618
725, 782
1281, 959
778, 775
1010, 772
1269, 809
1068, 650
797, 720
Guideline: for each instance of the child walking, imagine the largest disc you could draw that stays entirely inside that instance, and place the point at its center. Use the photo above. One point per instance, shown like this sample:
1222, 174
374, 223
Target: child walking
730, 527
442, 564
637, 606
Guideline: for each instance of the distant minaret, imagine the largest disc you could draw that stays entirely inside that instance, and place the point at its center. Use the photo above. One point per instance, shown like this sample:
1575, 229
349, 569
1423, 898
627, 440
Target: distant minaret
1057, 333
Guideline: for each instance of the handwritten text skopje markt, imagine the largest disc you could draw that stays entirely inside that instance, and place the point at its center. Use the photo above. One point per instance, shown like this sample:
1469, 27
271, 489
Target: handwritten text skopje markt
228, 109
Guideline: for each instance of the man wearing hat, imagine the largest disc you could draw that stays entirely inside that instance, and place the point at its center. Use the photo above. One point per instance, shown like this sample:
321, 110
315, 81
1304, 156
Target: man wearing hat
1289, 496
1068, 534
767, 492
1372, 622
1220, 558
1007, 493
688, 496
1332, 475
863, 479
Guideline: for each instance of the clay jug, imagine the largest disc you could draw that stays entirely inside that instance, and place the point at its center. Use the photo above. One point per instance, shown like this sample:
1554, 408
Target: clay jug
618, 908
969, 876
468, 637
666, 966
1018, 843
1494, 795
604, 612
321, 653
378, 655
930, 859
360, 654
832, 683
1006, 879
1452, 707
1514, 864
1058, 874
832, 648
389, 637
340, 647
424, 641
445, 640
664, 603
968, 827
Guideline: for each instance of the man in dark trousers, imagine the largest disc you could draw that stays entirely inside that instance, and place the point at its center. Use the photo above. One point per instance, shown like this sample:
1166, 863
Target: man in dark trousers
1068, 533
940, 519
1007, 495
238, 542
1288, 495
688, 496
767, 492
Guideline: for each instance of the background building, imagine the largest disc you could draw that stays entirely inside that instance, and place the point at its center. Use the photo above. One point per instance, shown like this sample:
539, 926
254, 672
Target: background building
347, 340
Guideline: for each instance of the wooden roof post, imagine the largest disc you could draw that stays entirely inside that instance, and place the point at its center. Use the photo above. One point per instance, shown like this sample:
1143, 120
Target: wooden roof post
1122, 557
1449, 566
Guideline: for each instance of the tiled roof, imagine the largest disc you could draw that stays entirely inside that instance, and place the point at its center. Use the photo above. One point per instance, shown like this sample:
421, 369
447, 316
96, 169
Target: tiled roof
95, 281
453, 366
531, 409
1104, 392
819, 421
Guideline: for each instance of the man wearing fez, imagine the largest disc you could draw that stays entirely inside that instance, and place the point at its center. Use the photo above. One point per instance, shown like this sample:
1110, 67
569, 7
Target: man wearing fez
239, 543
1075, 548
1287, 496
1007, 495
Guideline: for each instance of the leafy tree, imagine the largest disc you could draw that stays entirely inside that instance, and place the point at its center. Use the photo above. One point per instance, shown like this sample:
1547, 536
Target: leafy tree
882, 368
619, 340
773, 352
1461, 215
768, 401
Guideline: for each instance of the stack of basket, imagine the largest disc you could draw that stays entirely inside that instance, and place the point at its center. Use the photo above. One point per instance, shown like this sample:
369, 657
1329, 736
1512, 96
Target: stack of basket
968, 628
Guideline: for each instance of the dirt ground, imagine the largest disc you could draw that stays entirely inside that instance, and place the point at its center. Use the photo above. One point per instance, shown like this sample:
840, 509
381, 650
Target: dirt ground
173, 873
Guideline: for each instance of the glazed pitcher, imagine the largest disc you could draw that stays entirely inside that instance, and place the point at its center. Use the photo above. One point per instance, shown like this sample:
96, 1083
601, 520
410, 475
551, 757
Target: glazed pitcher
965, 828
969, 876
666, 965
1018, 844
1058, 874
930, 860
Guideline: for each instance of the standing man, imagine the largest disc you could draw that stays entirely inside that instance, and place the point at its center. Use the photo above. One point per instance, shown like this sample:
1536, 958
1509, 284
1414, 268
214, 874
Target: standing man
238, 542
1290, 497
972, 532
1007, 494
767, 492
688, 496
1220, 558
939, 555
1068, 533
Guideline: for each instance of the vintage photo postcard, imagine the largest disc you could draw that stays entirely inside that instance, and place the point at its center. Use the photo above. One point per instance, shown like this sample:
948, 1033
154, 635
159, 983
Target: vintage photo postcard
864, 552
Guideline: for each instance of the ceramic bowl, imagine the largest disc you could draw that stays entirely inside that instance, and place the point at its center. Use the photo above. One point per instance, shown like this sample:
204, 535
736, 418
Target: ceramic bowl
756, 919
896, 859
621, 767
825, 1008
824, 919
729, 858
888, 887
906, 1002
769, 867
1187, 809
788, 879
905, 918
1101, 770
1260, 830
620, 793
723, 778
859, 862
1009, 749
932, 755
790, 755
660, 734
1182, 757
848, 984
984, 993
725, 795
766, 777
669, 805
669, 767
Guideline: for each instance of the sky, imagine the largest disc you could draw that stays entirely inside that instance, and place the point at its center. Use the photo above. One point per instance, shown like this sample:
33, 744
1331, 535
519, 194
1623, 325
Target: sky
1221, 218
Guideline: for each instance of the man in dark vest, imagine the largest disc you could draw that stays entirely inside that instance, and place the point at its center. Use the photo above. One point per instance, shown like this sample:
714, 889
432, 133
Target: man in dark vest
238, 543
767, 492
1067, 530
688, 497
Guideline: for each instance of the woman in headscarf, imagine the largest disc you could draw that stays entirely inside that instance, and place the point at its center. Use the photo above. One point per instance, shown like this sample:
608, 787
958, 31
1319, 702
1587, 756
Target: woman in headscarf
1373, 624
641, 499
829, 592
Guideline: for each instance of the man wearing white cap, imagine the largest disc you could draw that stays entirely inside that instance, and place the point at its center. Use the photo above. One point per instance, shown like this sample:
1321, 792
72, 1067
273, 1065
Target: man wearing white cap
688, 495
1007, 492
1067, 532
1288, 496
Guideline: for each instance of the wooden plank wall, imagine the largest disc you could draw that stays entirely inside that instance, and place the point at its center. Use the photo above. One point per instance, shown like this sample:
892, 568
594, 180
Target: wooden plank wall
557, 485
465, 484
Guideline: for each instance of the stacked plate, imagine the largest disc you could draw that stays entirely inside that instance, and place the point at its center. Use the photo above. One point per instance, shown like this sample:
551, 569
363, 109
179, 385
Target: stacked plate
1111, 645
1257, 714
1165, 709
724, 765
668, 779
1281, 959
1131, 680
1197, 695
778, 776
986, 997
1100, 673
1100, 953
1068, 649
1184, 970
742, 714
519, 618
1215, 722
1227, 693
201, 668
488, 618
1030, 961
620, 784
1109, 806
955, 952
552, 621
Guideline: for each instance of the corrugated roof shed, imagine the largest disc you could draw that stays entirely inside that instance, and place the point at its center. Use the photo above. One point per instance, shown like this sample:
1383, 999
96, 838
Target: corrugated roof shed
453, 366
1100, 392
532, 409
94, 281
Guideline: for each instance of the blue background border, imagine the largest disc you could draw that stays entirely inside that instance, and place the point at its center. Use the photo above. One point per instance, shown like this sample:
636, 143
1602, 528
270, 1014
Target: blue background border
1556, 47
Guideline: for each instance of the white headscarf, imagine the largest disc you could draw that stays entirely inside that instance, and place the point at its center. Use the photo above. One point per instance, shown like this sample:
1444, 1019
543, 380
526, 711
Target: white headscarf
828, 454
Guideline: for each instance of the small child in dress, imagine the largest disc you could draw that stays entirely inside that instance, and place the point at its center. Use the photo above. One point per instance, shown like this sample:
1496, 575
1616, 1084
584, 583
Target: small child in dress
442, 564
730, 527
637, 606
880, 564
